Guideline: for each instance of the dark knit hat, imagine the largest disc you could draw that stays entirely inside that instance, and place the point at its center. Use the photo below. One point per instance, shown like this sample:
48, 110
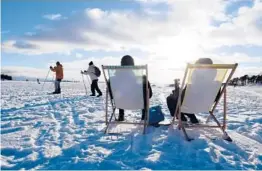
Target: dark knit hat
91, 63
127, 61
204, 61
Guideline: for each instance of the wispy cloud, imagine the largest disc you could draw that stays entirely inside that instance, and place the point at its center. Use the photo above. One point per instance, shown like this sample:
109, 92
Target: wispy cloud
5, 31
79, 55
186, 23
54, 17
180, 34
30, 33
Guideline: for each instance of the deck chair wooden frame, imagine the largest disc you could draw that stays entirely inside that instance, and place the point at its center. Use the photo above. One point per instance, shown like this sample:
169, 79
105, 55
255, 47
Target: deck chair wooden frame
108, 122
222, 126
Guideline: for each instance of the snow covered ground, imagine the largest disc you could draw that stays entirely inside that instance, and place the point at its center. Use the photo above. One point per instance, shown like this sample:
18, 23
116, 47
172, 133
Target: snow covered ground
40, 131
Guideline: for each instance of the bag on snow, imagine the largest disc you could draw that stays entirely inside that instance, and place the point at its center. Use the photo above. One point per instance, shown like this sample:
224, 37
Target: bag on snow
171, 101
97, 71
155, 115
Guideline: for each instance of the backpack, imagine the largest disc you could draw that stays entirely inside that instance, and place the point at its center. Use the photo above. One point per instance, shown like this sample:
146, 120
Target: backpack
155, 115
97, 71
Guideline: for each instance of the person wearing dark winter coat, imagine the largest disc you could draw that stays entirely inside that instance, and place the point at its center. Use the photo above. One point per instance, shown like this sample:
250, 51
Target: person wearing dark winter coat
173, 98
94, 85
129, 61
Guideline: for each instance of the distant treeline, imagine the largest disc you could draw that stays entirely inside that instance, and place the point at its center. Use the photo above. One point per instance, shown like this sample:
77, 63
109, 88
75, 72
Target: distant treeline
6, 77
244, 80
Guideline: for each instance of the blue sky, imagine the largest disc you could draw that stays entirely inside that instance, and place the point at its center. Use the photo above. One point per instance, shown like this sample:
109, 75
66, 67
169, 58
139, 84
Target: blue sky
20, 17
162, 33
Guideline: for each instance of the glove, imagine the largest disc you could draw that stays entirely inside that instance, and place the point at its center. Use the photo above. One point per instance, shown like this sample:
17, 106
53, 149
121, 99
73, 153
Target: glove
50, 67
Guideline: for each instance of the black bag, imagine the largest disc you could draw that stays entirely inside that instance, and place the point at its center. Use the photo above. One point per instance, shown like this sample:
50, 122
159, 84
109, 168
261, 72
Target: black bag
171, 104
97, 71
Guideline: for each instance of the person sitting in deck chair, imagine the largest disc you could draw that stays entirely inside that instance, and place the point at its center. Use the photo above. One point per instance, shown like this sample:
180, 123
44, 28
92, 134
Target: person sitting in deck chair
173, 98
129, 61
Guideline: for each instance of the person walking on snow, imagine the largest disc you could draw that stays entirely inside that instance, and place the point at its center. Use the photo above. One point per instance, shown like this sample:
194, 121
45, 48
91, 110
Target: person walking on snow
58, 69
93, 73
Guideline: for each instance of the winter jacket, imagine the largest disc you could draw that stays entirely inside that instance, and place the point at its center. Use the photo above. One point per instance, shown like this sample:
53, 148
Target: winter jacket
91, 72
58, 71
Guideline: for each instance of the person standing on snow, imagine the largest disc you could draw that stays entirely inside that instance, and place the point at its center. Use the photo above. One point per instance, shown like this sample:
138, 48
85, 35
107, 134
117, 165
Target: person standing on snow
58, 69
93, 73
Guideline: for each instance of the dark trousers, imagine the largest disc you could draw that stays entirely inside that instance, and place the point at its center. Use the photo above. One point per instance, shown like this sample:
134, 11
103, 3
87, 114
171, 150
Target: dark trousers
172, 101
122, 113
191, 116
94, 87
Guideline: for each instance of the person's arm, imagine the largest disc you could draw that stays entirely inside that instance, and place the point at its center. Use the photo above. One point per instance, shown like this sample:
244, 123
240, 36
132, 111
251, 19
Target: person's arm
150, 90
53, 69
85, 72
88, 71
149, 87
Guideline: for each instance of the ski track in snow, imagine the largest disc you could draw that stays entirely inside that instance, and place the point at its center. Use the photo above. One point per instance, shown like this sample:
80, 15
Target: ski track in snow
40, 131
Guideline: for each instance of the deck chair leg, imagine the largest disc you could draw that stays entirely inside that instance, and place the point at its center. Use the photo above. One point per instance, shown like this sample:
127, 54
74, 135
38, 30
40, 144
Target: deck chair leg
110, 120
106, 119
185, 133
146, 121
225, 135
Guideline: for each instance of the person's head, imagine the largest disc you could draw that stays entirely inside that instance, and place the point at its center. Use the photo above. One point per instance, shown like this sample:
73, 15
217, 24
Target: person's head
58, 63
127, 61
91, 63
204, 61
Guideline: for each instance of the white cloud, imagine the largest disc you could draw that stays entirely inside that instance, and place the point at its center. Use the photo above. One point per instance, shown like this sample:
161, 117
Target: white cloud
24, 71
54, 17
41, 27
95, 29
160, 70
5, 31
171, 37
79, 55
241, 30
30, 33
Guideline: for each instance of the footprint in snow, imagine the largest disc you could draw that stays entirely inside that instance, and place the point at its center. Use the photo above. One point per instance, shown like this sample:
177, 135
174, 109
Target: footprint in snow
91, 110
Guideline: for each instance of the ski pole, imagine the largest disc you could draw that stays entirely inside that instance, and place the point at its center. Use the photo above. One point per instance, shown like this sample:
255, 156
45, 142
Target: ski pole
84, 83
45, 79
52, 81
88, 79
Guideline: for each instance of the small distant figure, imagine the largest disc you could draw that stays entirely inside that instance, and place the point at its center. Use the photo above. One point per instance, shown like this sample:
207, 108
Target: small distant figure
58, 69
38, 81
93, 73
26, 80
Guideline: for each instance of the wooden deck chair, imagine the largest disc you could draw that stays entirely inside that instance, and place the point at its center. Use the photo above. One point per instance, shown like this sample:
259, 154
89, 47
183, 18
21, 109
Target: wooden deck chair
202, 83
126, 85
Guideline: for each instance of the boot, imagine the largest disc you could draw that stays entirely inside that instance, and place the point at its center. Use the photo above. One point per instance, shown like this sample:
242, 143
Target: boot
55, 92
120, 117
143, 114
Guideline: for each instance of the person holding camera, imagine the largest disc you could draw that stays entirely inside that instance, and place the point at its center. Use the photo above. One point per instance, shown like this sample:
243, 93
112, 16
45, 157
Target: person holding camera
172, 101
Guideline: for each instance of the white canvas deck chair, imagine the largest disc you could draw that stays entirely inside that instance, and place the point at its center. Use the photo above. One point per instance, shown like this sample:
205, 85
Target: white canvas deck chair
202, 83
126, 85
